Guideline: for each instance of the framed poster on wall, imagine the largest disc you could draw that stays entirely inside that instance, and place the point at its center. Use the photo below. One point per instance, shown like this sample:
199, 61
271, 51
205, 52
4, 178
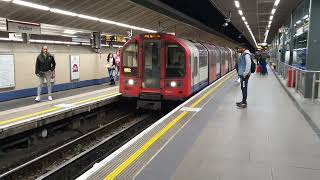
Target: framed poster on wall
7, 74
74, 67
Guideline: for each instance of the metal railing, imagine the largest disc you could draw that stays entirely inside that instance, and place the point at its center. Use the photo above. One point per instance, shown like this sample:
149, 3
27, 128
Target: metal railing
298, 77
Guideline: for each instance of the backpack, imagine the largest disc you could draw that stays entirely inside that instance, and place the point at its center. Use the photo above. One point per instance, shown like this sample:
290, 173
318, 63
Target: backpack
253, 65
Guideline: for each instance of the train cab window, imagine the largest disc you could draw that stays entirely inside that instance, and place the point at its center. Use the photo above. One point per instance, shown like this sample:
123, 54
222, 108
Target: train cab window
130, 60
176, 61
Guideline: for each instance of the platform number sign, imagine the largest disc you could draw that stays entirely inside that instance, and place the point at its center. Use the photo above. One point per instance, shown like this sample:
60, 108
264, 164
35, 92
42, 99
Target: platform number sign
75, 67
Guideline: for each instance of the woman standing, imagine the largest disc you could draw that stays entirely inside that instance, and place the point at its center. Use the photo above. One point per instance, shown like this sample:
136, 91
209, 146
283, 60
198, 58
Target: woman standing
110, 65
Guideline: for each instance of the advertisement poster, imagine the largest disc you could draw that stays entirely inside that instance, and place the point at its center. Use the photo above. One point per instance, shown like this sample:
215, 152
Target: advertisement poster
75, 67
7, 78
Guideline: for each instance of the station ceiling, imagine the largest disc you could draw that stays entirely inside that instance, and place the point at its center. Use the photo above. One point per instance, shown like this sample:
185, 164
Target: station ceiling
186, 18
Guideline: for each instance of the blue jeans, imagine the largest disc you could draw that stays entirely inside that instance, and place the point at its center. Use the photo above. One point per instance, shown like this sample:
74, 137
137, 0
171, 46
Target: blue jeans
110, 70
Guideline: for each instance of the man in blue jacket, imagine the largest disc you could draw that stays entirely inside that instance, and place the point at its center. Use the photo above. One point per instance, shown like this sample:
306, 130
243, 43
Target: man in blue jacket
244, 72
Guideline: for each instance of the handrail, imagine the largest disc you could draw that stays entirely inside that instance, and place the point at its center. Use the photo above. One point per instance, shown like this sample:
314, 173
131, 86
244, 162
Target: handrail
283, 71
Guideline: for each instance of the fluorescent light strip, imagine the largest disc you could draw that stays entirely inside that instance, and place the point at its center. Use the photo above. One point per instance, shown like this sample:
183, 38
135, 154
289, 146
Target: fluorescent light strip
11, 39
6, 0
59, 11
237, 4
68, 13
32, 5
273, 11
276, 3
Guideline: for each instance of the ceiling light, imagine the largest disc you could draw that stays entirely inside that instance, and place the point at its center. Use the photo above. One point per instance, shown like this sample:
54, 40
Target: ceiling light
305, 17
6, 0
63, 12
246, 23
29, 4
271, 17
270, 22
273, 11
276, 2
269, 26
240, 12
237, 4
298, 22
243, 18
69, 31
88, 17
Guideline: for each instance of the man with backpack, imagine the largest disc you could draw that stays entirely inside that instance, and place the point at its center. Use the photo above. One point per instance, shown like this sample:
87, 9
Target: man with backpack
244, 71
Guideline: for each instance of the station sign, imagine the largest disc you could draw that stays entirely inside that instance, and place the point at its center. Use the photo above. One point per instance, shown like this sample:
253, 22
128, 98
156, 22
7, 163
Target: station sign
23, 27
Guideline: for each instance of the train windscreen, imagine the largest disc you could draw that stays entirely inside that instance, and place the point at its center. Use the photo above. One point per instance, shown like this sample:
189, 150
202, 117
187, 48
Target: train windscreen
130, 60
151, 64
175, 65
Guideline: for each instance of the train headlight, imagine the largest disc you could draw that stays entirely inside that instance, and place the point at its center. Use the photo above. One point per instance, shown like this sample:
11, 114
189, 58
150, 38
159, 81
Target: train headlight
130, 82
173, 84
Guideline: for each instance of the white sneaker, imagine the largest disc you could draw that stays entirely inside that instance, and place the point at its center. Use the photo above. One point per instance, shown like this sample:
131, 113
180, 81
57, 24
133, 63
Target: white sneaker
49, 98
238, 80
37, 99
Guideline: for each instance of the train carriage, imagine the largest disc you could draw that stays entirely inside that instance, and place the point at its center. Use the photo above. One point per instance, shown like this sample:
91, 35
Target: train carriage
159, 67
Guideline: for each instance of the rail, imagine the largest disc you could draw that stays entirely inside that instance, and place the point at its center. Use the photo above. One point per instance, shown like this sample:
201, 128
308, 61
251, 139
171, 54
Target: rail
298, 77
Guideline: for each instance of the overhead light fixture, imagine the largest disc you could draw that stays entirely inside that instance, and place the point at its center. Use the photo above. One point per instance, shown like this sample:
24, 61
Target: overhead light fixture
269, 25
59, 11
270, 22
271, 17
276, 3
298, 22
69, 31
6, 0
305, 17
273, 11
237, 4
240, 12
243, 18
246, 23
32, 5
88, 17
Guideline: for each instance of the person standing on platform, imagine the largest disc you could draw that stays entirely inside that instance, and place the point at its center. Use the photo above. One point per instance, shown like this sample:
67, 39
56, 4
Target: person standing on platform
117, 65
244, 71
45, 65
263, 62
110, 65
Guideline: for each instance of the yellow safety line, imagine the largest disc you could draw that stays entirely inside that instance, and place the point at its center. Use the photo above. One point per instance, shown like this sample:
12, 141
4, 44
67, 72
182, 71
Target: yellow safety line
29, 115
52, 109
156, 137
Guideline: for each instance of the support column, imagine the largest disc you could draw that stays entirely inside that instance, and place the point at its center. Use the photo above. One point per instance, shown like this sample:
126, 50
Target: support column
291, 32
313, 61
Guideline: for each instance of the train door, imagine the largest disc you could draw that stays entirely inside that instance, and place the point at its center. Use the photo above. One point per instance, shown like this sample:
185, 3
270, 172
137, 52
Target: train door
151, 63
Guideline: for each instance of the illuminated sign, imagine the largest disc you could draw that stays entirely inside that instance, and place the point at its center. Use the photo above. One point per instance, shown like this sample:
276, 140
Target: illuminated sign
151, 36
127, 70
111, 38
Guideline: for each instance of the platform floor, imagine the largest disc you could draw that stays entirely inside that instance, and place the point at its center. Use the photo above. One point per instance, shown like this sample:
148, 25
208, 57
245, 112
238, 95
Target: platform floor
270, 140
28, 114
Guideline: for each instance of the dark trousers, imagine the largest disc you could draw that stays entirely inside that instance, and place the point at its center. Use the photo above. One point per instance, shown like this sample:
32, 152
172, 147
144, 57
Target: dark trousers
244, 88
110, 70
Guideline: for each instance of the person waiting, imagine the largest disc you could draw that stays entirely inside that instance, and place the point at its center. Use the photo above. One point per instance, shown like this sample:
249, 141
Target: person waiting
110, 65
45, 65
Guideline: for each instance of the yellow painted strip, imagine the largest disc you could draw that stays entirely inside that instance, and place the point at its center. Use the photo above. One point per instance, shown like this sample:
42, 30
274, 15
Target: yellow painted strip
52, 109
94, 99
156, 137
29, 115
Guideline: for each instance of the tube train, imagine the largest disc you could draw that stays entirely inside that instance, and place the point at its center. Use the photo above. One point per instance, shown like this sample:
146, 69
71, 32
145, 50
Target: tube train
162, 67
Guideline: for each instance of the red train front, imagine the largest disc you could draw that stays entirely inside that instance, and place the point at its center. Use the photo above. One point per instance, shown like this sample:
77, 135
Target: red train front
157, 67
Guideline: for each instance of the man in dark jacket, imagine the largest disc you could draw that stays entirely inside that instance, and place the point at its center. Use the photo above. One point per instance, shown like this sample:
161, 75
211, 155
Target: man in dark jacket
45, 65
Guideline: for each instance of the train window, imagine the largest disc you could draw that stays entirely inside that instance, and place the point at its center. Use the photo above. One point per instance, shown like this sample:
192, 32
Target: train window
130, 59
176, 61
195, 67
